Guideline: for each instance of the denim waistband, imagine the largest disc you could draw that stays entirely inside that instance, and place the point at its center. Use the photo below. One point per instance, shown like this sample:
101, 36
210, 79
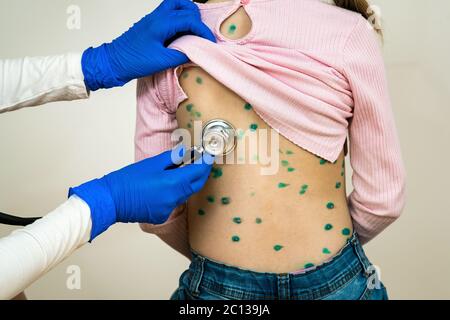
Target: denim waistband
240, 284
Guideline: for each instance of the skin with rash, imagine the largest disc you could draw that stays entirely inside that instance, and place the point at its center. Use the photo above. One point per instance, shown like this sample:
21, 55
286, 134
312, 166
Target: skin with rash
295, 219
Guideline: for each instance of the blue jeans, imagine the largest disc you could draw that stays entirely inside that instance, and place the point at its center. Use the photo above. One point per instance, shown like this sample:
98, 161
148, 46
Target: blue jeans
348, 276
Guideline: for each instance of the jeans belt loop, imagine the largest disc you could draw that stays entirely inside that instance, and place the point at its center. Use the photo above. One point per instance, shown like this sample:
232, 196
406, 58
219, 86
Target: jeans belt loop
197, 276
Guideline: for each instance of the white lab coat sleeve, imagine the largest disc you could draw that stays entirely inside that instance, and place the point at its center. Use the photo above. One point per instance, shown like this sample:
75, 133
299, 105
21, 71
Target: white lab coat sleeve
30, 252
34, 81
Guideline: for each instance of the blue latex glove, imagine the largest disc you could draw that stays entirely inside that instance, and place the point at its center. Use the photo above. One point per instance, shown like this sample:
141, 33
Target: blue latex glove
142, 51
146, 191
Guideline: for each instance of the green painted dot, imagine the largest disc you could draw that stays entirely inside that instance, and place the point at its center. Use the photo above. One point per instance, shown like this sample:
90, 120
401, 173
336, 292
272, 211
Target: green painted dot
323, 161
258, 220
330, 205
284, 163
199, 80
185, 75
289, 152
282, 185
346, 231
232, 29
277, 247
201, 212
237, 220
189, 107
338, 185
252, 194
290, 169
328, 227
343, 163
253, 127
304, 189
235, 239
342, 173
225, 200
216, 172
248, 106
198, 114
326, 251
189, 125
210, 199
309, 265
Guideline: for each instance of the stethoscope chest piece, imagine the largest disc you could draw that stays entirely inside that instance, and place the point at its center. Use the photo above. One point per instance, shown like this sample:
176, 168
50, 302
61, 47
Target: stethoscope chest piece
218, 137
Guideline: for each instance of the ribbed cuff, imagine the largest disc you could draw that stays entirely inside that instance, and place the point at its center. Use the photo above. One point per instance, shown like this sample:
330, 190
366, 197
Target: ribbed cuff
99, 200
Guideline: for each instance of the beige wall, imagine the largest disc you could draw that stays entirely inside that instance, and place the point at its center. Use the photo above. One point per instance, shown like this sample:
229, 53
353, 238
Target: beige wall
48, 149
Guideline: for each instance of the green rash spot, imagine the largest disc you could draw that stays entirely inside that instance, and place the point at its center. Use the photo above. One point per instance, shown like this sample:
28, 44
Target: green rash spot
235, 239
199, 80
304, 188
248, 106
338, 185
342, 173
277, 247
323, 161
237, 220
225, 200
258, 220
253, 127
284, 163
232, 29
289, 152
309, 265
210, 199
189, 126
326, 251
290, 169
282, 185
189, 107
185, 75
330, 205
201, 212
198, 114
346, 231
328, 227
216, 172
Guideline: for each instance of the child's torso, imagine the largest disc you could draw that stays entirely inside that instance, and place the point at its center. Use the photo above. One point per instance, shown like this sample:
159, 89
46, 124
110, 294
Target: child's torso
293, 219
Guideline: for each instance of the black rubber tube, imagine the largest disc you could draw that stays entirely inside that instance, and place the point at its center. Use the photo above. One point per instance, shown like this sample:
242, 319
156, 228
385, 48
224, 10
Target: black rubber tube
16, 221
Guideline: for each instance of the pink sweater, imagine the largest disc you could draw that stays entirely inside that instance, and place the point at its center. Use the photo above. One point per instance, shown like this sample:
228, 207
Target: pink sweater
312, 71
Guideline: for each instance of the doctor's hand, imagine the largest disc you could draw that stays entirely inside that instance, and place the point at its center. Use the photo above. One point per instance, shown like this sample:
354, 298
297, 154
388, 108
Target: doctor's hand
147, 191
142, 51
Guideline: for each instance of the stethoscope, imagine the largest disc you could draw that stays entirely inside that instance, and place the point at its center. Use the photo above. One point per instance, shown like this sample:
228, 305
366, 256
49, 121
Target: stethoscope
218, 139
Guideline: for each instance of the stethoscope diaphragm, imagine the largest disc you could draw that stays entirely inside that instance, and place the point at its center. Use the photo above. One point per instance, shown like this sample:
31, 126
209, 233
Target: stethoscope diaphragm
218, 137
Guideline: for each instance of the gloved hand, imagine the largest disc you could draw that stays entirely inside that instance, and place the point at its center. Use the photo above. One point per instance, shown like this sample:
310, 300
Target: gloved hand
146, 191
142, 51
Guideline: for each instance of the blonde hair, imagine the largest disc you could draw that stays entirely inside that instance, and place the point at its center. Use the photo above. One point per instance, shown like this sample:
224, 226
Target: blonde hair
365, 9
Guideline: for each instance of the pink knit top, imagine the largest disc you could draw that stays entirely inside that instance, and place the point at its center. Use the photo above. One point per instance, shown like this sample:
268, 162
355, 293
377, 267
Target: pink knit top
312, 71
